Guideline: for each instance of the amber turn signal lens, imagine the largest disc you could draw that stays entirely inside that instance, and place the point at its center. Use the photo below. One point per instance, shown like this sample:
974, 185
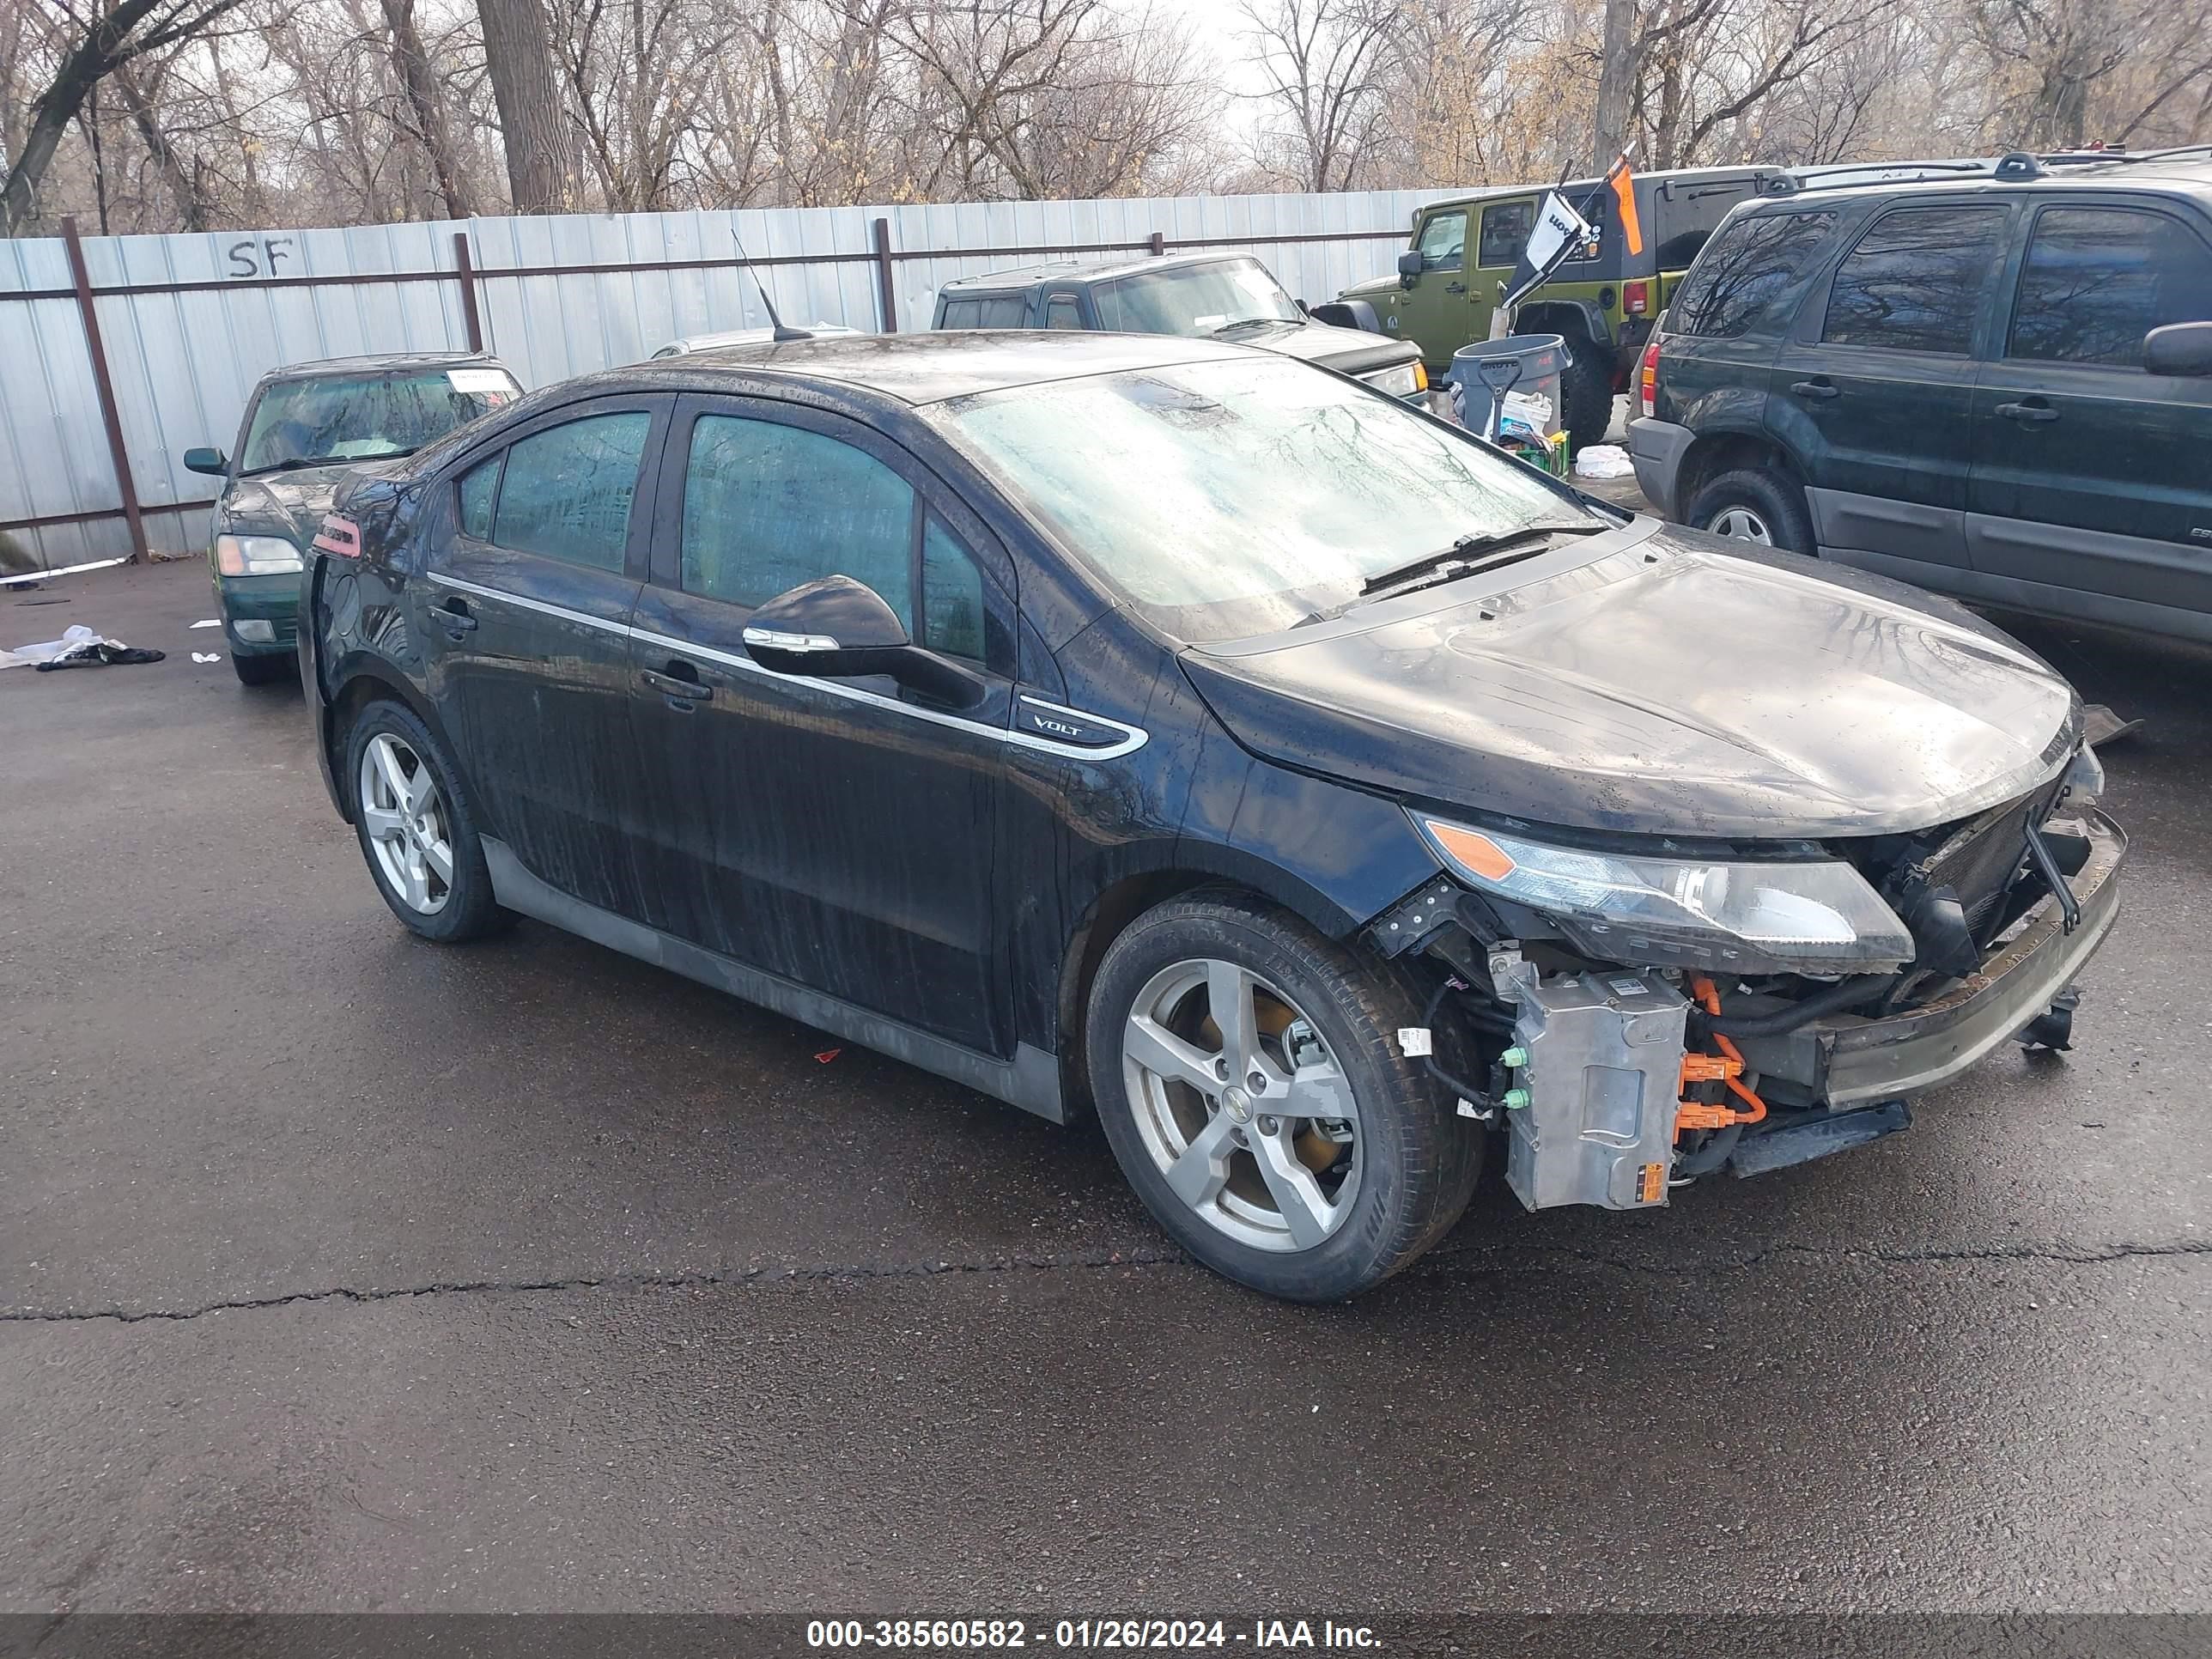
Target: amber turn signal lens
1476, 853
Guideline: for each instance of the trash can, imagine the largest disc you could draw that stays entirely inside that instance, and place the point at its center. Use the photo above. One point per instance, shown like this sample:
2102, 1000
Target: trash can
1530, 364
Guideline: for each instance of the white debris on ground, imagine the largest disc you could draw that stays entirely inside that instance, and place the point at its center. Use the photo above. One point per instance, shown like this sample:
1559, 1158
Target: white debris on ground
209, 621
76, 637
207, 656
1603, 461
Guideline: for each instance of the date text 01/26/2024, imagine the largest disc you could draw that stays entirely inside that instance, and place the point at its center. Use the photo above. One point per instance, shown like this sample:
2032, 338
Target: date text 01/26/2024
1124, 1635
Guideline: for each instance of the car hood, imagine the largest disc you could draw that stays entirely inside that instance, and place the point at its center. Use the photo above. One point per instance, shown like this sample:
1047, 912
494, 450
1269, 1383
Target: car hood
290, 504
1648, 682
1374, 287
1349, 350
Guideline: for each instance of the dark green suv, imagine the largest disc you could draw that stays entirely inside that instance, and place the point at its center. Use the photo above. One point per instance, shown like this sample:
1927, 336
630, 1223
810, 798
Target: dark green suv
1999, 387
1453, 273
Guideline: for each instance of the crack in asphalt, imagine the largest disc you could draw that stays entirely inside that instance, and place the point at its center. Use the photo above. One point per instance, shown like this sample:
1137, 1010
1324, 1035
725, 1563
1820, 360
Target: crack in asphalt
1471, 1260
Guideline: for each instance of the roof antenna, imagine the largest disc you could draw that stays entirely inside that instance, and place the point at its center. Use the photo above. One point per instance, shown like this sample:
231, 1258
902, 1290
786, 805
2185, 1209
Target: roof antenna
782, 333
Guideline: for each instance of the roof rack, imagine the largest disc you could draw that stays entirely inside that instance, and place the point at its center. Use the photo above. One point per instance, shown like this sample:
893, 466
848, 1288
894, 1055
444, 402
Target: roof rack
2014, 166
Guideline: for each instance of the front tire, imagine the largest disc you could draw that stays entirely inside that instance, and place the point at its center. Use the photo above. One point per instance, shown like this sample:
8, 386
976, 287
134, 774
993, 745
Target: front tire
1754, 504
1249, 1080
415, 827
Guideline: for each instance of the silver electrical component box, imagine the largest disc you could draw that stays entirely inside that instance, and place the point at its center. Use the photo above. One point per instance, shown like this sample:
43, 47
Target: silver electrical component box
1604, 1078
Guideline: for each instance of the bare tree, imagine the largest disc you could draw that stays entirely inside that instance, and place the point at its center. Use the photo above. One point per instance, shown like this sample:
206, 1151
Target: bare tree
99, 42
1324, 63
533, 122
430, 123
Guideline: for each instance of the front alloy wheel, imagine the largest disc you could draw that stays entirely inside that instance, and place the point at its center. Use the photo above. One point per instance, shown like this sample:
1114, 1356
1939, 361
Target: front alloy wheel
1241, 1105
1251, 1080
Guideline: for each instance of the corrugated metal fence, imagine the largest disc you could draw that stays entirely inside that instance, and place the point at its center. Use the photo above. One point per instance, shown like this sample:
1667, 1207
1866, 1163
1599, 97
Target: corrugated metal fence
178, 328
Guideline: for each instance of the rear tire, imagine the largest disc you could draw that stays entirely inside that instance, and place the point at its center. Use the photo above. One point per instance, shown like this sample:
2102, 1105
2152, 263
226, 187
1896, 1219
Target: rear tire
1755, 504
262, 671
416, 828
1291, 1202
1586, 389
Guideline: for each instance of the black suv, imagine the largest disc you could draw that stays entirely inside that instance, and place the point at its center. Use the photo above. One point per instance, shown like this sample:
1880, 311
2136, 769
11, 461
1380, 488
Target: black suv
1998, 386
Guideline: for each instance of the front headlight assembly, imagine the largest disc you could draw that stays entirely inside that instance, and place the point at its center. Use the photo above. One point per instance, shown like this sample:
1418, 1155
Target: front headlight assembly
255, 555
1401, 382
1816, 916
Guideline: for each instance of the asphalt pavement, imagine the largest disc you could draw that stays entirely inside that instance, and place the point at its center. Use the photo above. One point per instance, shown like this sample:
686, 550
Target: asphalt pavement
339, 1271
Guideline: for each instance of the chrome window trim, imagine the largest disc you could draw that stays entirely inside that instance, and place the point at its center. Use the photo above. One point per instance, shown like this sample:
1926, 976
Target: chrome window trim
1136, 740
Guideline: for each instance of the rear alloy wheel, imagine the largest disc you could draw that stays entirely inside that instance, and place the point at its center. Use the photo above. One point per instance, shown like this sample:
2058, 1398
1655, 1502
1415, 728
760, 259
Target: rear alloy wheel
415, 827
1754, 504
1248, 1078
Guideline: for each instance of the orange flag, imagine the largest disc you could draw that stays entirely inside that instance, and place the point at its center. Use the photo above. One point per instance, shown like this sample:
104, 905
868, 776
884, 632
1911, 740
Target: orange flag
1622, 183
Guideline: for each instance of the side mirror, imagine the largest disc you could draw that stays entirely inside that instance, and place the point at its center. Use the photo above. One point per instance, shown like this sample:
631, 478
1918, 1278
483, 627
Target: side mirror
839, 629
835, 627
209, 461
1410, 265
2179, 348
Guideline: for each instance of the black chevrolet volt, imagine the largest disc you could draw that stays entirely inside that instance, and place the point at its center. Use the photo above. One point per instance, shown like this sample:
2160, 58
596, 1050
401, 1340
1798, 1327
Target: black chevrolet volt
1163, 729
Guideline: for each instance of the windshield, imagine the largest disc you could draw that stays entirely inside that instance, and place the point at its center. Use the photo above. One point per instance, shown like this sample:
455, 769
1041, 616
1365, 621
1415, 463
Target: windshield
361, 417
1195, 299
1234, 498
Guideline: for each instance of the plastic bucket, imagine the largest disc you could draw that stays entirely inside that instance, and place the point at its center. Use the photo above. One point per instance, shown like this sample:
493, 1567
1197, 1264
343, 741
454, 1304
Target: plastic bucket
1531, 364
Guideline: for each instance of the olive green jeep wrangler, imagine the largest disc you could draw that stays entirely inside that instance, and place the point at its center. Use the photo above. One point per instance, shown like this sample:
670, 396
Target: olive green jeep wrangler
1455, 269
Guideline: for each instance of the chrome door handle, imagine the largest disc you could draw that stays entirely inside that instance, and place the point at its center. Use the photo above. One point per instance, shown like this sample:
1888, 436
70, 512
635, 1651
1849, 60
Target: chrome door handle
677, 690
1820, 389
2025, 413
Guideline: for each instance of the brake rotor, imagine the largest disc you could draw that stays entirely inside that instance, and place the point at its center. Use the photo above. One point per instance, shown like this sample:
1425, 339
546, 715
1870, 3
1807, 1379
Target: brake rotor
1317, 1150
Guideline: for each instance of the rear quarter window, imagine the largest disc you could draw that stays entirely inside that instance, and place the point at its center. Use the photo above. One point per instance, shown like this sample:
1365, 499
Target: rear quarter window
1744, 270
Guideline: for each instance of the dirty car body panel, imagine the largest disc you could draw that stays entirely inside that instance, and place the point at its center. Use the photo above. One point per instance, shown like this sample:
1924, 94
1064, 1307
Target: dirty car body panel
1082, 715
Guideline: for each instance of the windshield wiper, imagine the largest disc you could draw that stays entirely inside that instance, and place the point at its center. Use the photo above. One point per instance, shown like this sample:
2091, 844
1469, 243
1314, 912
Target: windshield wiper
295, 463
1247, 322
1470, 553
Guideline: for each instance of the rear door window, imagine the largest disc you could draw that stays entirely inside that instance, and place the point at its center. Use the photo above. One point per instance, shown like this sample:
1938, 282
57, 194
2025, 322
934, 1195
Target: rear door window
1743, 270
567, 489
1006, 311
1443, 241
1506, 227
962, 313
2097, 279
1916, 280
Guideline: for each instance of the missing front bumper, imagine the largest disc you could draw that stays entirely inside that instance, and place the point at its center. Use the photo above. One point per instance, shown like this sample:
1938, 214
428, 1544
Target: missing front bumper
1846, 1058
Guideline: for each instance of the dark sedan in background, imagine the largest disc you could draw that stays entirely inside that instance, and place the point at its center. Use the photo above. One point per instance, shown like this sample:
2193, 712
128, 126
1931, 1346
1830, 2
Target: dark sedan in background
1166, 728
305, 426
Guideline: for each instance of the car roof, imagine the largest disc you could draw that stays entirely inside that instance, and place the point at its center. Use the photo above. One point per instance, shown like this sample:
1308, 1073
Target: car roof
1080, 270
384, 362
926, 368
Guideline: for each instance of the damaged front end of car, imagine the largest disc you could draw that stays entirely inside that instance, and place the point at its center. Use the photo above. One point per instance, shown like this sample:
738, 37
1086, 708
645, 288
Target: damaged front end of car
1634, 1016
